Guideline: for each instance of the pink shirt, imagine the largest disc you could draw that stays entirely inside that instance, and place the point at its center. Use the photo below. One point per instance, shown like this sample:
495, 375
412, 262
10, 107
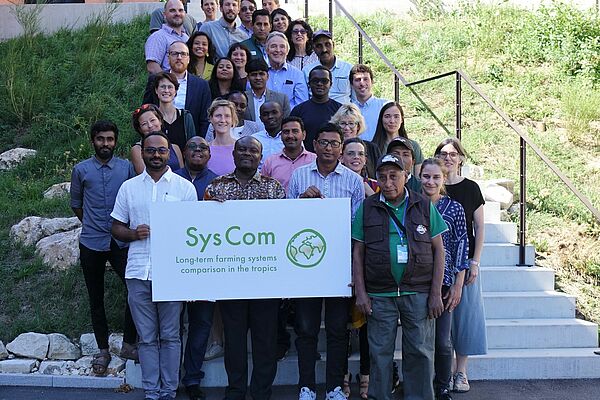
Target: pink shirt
221, 160
281, 167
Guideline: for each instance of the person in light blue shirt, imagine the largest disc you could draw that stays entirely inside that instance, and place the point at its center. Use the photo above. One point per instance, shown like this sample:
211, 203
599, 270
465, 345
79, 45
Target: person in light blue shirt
361, 79
283, 77
223, 32
340, 70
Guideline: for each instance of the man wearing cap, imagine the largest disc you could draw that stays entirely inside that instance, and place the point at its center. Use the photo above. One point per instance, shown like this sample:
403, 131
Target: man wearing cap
340, 70
393, 232
402, 148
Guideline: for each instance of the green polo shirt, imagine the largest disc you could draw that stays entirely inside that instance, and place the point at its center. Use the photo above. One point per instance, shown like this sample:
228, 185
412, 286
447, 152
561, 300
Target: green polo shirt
437, 226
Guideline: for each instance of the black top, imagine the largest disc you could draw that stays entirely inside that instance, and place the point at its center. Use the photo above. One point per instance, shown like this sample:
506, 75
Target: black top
176, 131
468, 194
314, 116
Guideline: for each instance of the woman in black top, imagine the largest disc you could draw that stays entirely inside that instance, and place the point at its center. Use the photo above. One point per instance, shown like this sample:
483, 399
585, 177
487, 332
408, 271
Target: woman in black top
224, 79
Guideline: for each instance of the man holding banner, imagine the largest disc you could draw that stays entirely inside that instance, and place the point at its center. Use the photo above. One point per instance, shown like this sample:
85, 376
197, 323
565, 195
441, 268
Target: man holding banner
326, 177
258, 315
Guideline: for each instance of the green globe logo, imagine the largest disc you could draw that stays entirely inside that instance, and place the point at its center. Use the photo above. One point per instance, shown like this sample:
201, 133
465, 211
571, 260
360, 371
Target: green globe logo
306, 248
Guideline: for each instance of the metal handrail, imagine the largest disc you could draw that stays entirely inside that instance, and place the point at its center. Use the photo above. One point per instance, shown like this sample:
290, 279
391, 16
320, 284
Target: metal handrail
459, 75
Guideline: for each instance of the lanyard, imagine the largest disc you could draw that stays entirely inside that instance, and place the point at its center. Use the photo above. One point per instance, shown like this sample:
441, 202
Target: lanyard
401, 231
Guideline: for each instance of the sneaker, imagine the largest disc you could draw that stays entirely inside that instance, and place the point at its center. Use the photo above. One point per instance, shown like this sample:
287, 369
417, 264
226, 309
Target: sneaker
451, 383
215, 350
461, 384
395, 378
307, 394
335, 394
444, 395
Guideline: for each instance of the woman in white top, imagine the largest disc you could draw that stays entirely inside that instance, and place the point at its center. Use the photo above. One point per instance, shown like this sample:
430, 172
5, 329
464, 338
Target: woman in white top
299, 35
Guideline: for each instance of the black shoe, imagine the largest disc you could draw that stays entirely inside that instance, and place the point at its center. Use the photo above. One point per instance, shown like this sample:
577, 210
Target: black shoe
395, 378
444, 395
194, 392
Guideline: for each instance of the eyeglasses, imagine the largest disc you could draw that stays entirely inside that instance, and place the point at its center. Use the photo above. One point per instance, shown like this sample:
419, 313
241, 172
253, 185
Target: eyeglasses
182, 54
348, 124
151, 121
299, 32
199, 147
453, 155
316, 81
251, 9
335, 144
151, 150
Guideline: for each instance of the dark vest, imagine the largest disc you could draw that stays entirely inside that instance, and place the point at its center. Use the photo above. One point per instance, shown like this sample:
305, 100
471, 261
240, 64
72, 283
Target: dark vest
419, 270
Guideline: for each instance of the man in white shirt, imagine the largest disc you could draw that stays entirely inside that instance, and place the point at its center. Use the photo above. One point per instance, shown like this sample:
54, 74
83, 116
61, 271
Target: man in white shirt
159, 345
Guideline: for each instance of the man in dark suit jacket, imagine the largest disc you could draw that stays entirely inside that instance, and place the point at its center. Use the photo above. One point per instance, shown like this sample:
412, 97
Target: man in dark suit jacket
258, 74
196, 91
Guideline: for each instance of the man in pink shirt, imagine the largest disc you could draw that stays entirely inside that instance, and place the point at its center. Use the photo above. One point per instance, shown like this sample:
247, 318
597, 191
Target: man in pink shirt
281, 165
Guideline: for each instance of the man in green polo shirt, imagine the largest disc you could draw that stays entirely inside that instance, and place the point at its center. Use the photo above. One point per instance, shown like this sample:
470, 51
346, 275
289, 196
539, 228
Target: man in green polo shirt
398, 267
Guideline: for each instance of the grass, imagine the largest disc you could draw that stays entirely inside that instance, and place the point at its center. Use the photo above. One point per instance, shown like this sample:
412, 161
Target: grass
535, 65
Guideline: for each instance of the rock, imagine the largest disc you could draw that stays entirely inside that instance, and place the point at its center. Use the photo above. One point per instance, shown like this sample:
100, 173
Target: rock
115, 341
116, 365
61, 348
88, 345
84, 362
60, 250
29, 345
31, 229
11, 158
472, 171
3, 352
53, 367
500, 194
18, 366
28, 231
58, 190
508, 184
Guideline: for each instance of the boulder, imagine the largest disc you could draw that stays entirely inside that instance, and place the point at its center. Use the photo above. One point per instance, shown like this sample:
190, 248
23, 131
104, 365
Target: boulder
472, 171
508, 184
84, 362
61, 348
88, 344
31, 229
116, 365
53, 367
18, 366
3, 352
29, 345
499, 194
61, 250
58, 190
11, 158
115, 341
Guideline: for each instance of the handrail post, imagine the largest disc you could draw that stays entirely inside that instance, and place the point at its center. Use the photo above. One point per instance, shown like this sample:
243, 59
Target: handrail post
458, 124
306, 9
522, 200
360, 49
331, 16
396, 89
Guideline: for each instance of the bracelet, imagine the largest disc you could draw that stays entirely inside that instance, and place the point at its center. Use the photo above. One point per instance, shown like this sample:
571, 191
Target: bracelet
473, 262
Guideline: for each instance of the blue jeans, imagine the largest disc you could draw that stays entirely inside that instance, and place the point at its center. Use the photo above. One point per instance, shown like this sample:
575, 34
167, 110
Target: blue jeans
200, 315
159, 347
417, 346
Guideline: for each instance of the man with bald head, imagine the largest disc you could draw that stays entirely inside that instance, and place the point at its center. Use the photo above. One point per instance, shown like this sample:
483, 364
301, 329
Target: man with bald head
157, 44
257, 315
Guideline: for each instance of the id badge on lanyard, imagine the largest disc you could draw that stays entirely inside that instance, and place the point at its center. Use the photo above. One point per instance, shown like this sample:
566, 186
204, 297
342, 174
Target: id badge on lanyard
402, 248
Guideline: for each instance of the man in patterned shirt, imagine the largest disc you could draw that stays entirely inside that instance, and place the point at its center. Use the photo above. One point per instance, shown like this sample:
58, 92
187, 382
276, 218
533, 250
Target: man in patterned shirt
258, 315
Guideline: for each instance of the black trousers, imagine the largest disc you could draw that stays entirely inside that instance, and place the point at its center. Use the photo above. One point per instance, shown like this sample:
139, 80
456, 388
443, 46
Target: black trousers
260, 317
443, 349
308, 325
93, 265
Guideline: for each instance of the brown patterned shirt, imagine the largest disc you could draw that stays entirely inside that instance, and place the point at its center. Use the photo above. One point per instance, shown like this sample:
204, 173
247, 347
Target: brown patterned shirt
228, 187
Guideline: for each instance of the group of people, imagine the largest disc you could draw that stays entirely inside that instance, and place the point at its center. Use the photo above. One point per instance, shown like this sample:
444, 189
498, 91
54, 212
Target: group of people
266, 110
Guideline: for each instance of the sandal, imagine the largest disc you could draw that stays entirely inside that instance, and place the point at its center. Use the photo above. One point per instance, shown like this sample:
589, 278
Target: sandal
100, 362
129, 352
363, 385
346, 387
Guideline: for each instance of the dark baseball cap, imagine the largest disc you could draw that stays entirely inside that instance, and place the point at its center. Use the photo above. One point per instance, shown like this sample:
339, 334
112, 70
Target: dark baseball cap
390, 159
322, 32
402, 142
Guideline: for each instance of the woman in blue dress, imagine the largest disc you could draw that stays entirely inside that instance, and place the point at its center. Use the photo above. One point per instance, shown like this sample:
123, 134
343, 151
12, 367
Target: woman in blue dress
456, 246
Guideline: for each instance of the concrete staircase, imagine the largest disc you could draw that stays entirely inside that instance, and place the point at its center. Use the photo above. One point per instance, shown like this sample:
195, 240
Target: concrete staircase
532, 330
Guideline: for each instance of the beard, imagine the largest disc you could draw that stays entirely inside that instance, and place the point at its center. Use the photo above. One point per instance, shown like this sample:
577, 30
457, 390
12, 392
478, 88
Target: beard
104, 153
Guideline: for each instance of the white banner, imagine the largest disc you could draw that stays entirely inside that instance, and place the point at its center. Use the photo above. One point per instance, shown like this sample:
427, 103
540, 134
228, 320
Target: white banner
250, 249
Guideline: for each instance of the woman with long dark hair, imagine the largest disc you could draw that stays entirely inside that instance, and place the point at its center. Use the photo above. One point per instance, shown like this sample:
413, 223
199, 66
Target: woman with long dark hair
224, 78
201, 55
299, 35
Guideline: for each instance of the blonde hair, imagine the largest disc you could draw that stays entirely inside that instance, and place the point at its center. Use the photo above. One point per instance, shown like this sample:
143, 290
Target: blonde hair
439, 163
352, 111
223, 103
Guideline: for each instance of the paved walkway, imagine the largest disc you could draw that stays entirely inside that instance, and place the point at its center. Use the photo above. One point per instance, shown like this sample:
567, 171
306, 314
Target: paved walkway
484, 390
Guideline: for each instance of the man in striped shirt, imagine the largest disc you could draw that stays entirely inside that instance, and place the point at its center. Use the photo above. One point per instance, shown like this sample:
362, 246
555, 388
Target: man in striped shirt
326, 177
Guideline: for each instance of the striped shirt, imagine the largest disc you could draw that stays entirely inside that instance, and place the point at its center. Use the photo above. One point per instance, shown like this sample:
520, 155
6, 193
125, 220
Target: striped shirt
341, 183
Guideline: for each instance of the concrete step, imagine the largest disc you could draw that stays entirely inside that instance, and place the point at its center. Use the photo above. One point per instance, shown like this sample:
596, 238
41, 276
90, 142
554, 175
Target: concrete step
500, 232
548, 304
503, 254
541, 333
517, 279
491, 211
